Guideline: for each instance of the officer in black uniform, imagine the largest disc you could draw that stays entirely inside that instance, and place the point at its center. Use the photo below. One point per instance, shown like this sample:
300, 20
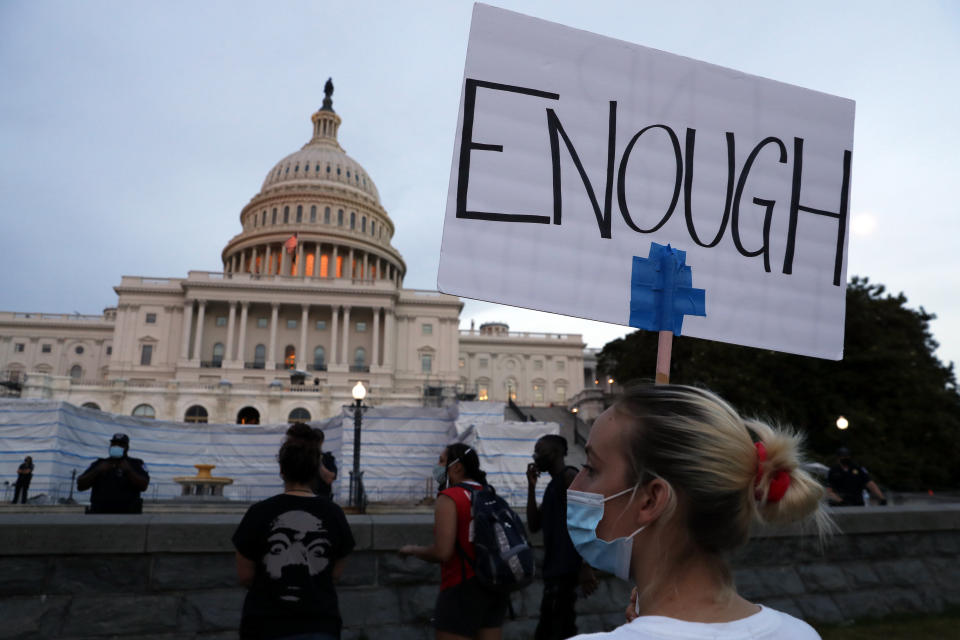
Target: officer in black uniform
327, 470
563, 568
116, 481
847, 480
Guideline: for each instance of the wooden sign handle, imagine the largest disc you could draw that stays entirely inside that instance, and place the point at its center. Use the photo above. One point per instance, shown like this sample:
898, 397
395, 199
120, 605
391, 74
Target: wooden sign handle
664, 347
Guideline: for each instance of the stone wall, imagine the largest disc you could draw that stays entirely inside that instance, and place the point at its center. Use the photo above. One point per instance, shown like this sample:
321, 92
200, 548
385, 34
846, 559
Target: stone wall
171, 576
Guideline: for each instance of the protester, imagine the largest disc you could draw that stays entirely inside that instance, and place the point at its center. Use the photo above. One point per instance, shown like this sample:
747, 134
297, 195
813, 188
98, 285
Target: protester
673, 482
464, 609
847, 481
326, 472
563, 569
116, 481
24, 475
291, 548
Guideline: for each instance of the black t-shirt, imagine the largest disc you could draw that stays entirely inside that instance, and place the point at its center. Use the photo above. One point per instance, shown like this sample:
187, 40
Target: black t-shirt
560, 557
25, 477
849, 483
113, 492
320, 487
294, 541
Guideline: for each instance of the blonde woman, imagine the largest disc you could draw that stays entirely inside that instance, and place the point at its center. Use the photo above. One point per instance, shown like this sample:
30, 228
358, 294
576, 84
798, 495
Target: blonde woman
675, 479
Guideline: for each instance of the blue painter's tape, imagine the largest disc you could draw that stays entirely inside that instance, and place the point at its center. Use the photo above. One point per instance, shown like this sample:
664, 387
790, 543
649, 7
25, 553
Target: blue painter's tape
662, 292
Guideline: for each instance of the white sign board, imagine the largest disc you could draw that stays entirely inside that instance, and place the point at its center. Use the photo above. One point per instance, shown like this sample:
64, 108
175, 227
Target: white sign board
575, 152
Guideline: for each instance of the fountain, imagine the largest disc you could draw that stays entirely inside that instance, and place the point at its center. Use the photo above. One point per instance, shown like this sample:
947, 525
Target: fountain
202, 486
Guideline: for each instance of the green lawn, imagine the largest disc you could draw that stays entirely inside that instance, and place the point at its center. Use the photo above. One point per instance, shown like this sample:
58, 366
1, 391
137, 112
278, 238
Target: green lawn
945, 625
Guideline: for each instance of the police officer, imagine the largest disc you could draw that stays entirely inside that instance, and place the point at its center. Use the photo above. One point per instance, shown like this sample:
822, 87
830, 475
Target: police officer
116, 481
847, 480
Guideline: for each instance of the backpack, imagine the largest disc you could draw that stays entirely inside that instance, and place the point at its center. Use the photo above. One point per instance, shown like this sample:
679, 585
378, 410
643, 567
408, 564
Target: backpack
503, 557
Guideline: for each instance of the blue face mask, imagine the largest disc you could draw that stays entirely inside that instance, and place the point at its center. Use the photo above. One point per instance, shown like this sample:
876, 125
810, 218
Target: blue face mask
584, 512
439, 474
116, 452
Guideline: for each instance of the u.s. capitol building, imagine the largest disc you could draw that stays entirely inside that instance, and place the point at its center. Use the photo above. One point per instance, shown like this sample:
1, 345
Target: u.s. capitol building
310, 301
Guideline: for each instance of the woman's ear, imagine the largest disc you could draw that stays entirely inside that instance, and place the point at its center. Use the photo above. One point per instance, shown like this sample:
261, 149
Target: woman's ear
654, 498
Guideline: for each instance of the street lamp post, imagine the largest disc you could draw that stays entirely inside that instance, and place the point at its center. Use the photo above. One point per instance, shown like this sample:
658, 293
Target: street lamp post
842, 423
356, 485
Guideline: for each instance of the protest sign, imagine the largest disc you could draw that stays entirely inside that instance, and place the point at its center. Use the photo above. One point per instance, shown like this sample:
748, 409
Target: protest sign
580, 162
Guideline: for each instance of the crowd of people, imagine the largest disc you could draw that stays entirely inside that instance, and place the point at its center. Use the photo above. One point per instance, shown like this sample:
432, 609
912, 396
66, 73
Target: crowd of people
675, 479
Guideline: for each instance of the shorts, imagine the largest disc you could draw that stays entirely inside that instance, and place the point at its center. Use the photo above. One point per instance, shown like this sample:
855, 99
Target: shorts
466, 608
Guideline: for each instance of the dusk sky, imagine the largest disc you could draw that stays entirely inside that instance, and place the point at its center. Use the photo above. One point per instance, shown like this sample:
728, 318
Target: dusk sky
132, 134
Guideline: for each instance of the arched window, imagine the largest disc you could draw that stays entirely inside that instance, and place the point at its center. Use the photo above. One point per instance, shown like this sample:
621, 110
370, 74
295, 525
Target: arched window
360, 357
373, 227
76, 372
319, 359
326, 215
313, 211
512, 389
274, 215
286, 214
248, 415
353, 220
363, 224
290, 357
217, 354
196, 414
263, 218
91, 405
339, 217
299, 213
299, 415
259, 356
144, 411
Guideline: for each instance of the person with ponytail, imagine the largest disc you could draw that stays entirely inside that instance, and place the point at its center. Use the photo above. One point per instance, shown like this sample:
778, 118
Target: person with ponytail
464, 609
291, 548
675, 481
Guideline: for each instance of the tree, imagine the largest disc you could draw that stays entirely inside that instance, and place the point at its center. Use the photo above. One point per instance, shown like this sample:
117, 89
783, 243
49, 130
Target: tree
900, 399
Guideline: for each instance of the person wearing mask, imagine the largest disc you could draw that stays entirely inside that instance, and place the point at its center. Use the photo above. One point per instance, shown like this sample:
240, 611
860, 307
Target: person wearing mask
675, 478
464, 610
326, 472
24, 475
290, 550
847, 481
116, 481
563, 569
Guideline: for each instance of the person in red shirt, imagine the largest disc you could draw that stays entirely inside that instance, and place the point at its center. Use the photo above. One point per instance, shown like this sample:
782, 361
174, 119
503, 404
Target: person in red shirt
464, 609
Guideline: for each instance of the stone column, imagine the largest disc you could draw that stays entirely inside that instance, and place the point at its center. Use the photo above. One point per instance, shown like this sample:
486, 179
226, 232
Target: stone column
284, 260
349, 268
266, 266
241, 343
365, 273
187, 325
301, 268
334, 317
304, 318
198, 338
388, 338
346, 334
231, 320
316, 261
272, 349
375, 356
253, 260
333, 262
243, 260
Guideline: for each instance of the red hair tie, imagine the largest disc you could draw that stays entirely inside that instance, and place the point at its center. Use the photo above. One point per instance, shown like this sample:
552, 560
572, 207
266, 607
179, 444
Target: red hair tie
779, 481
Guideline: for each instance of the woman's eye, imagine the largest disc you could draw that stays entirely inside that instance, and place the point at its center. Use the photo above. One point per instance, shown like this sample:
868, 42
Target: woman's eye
277, 547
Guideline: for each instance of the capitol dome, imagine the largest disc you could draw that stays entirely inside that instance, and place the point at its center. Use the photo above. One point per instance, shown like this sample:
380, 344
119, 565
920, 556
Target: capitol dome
322, 161
317, 215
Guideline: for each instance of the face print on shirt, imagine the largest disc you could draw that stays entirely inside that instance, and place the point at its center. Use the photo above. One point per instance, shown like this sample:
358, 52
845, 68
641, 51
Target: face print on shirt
297, 547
